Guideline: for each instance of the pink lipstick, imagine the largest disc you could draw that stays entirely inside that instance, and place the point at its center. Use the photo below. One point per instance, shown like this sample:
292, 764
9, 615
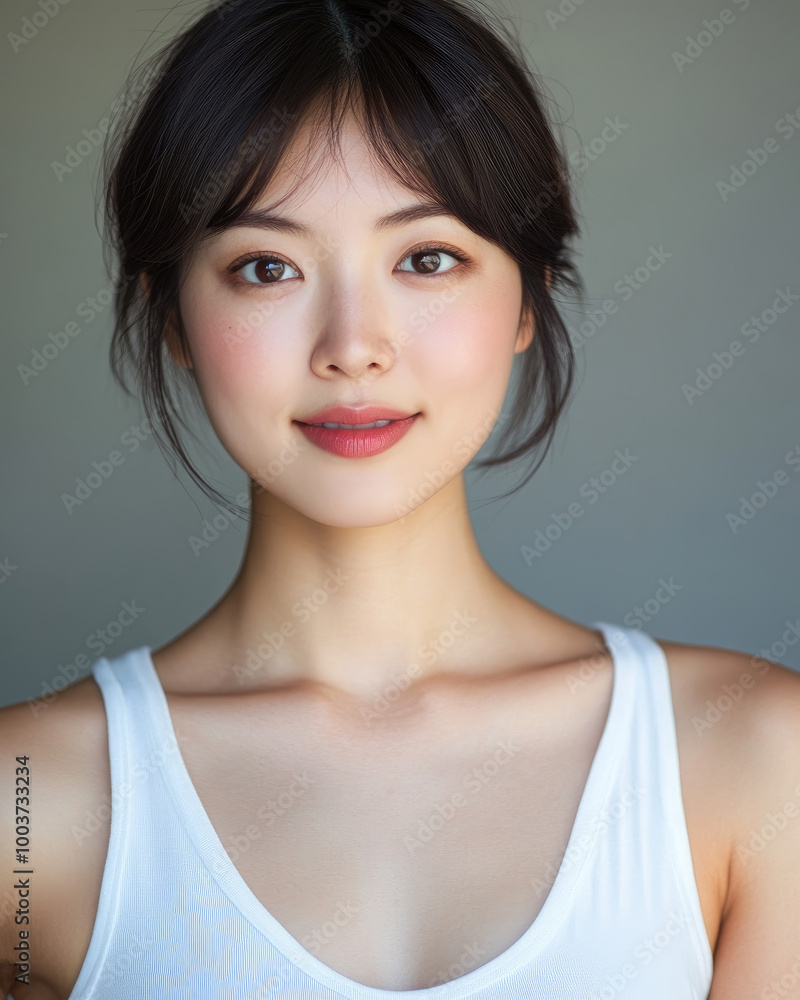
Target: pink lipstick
347, 434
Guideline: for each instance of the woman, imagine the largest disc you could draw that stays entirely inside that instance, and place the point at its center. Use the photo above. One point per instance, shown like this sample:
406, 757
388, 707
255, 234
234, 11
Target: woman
374, 768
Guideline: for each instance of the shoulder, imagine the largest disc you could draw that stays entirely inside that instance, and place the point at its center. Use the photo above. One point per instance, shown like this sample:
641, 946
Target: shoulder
62, 792
735, 698
745, 710
738, 720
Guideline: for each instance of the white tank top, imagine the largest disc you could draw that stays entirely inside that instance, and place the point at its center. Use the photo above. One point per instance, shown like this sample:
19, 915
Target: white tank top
622, 917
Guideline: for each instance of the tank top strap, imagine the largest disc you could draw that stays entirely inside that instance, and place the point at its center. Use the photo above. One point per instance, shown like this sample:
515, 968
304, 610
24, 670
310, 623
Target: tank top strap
652, 755
141, 735
140, 748
653, 765
654, 746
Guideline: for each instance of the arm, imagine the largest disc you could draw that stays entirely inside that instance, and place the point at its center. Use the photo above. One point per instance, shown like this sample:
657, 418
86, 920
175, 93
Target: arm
68, 750
758, 952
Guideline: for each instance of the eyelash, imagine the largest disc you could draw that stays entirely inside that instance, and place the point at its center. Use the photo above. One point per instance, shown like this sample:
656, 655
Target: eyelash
425, 248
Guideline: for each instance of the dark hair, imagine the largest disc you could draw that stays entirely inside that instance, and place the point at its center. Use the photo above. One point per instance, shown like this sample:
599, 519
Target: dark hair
447, 104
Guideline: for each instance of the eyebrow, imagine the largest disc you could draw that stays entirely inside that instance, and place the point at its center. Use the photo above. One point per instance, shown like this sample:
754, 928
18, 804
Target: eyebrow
260, 218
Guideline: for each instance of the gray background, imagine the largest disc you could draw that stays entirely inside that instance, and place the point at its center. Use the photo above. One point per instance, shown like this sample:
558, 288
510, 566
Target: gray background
654, 185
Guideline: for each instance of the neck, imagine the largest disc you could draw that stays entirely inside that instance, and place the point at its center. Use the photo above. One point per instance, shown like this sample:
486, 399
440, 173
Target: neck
353, 609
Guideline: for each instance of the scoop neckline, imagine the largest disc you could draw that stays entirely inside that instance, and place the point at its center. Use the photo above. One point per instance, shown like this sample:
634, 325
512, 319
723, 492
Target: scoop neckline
196, 821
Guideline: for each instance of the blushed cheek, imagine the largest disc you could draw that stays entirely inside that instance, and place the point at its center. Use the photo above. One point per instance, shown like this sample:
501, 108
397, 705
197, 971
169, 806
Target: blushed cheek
468, 352
242, 365
463, 364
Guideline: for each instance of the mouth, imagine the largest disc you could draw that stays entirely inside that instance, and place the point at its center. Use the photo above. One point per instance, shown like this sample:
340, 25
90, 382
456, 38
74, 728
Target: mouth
351, 427
357, 440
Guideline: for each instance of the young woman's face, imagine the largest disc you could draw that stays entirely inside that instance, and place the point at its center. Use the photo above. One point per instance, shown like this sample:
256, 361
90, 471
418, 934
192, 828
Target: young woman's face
351, 313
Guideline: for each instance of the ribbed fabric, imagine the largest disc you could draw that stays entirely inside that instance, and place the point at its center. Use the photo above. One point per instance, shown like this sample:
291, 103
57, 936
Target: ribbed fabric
622, 918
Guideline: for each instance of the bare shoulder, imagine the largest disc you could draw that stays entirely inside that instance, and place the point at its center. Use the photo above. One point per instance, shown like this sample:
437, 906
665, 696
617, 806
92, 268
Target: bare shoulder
65, 800
737, 718
739, 700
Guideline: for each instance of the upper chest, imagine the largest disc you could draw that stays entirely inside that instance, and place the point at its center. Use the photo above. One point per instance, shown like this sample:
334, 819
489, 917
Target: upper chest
400, 853
391, 849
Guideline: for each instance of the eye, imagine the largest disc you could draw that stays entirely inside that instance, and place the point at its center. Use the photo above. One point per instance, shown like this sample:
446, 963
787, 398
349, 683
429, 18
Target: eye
428, 259
267, 269
263, 269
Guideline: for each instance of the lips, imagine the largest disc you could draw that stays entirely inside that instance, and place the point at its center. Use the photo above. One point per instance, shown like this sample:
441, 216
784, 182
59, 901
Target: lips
354, 440
355, 415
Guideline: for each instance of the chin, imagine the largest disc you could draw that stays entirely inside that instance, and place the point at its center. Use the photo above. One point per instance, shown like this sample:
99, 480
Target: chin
350, 513
346, 505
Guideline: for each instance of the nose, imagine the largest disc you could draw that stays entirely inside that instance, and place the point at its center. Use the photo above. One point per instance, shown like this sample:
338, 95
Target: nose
355, 340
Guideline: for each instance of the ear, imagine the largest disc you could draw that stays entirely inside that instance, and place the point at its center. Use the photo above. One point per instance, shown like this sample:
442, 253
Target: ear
171, 335
527, 329
525, 332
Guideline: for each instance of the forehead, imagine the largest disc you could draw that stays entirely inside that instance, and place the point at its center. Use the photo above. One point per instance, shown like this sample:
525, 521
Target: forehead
341, 174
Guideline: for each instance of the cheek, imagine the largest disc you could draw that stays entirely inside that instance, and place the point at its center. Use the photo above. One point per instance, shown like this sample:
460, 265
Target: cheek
465, 354
244, 366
